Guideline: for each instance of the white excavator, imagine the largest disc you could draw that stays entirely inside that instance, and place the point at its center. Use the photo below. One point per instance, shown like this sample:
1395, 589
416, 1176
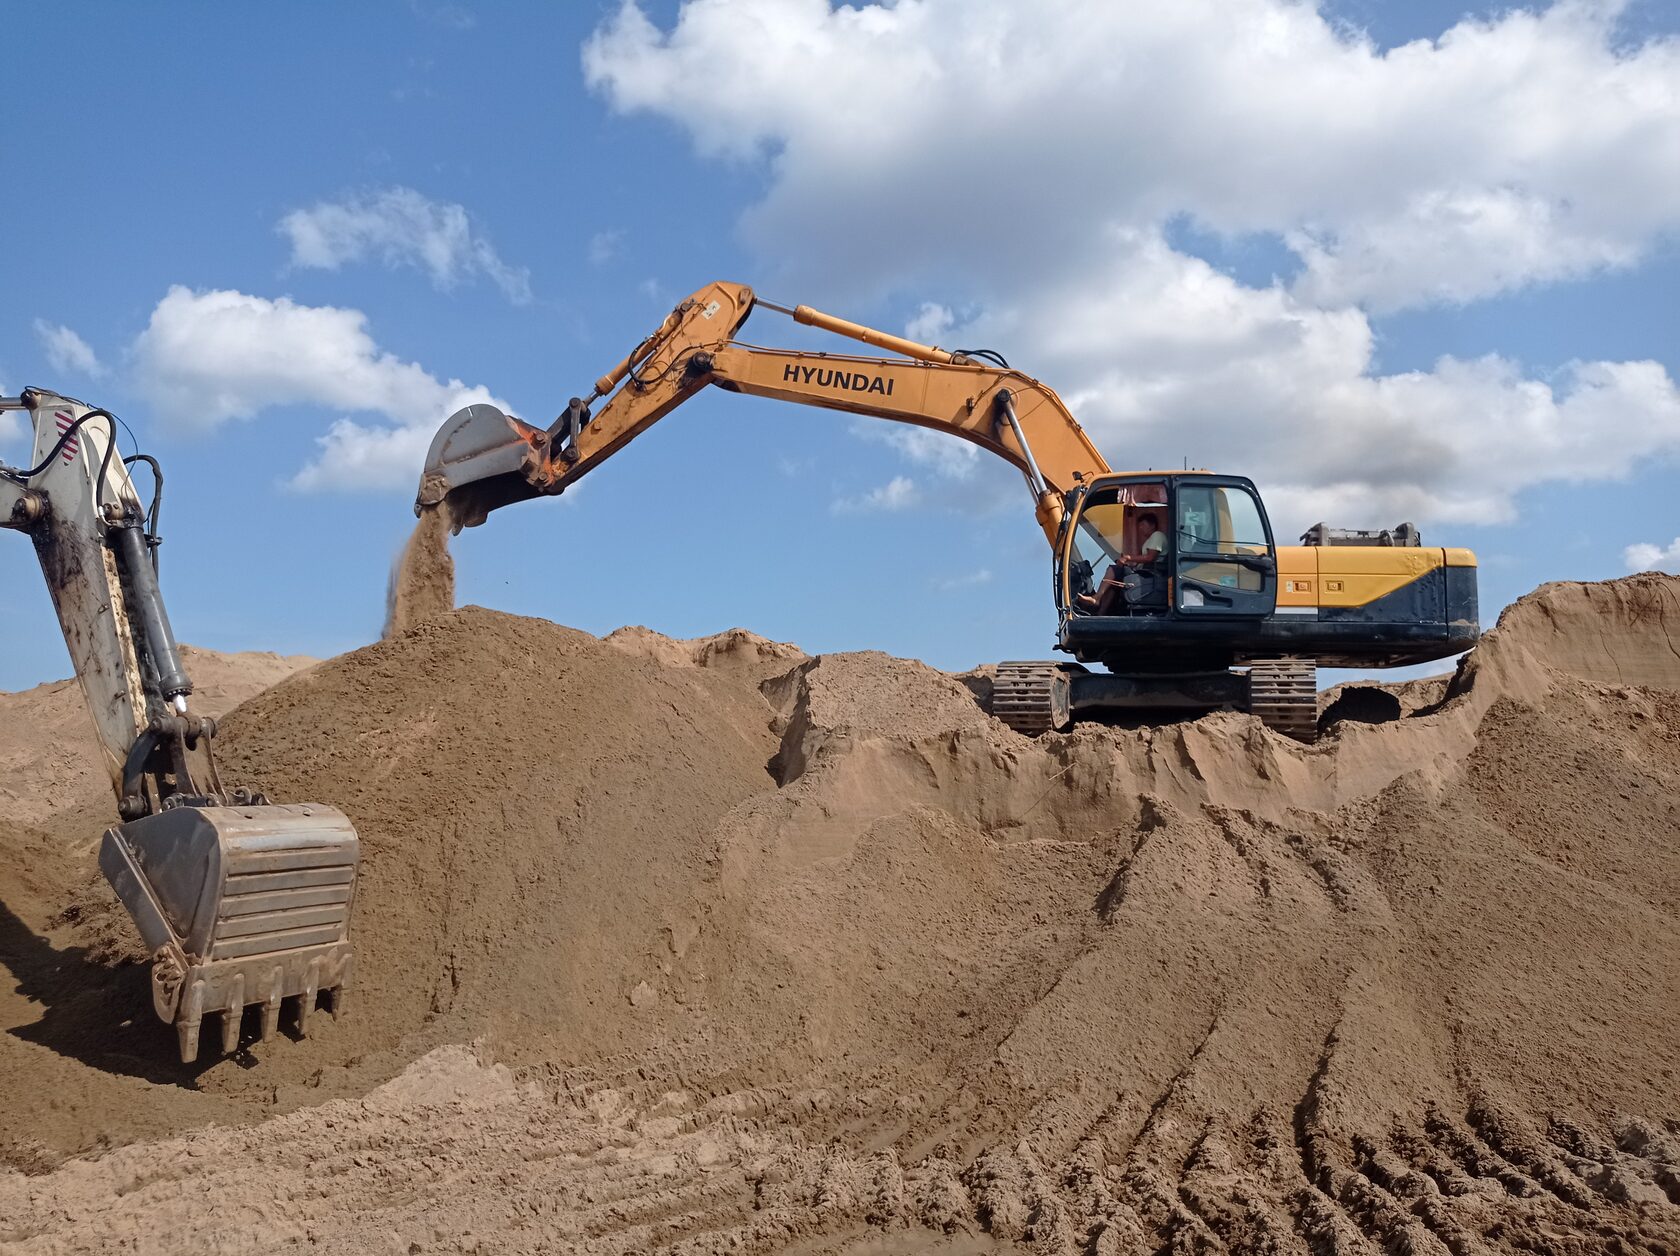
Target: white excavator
241, 901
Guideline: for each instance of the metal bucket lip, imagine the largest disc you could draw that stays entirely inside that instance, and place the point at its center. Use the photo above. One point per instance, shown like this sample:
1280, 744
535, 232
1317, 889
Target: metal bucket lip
227, 987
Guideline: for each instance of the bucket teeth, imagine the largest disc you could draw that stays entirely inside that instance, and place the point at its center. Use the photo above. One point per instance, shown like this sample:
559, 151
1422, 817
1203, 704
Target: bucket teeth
269, 997
306, 1001
233, 1014
188, 1021
271, 1002
189, 1026
270, 1018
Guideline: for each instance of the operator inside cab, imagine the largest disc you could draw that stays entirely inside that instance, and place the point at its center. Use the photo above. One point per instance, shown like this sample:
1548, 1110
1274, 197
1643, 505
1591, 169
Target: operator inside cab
1155, 540
1133, 579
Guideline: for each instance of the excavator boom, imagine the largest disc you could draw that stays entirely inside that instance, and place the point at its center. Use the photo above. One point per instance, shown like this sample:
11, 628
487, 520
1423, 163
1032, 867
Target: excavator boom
482, 459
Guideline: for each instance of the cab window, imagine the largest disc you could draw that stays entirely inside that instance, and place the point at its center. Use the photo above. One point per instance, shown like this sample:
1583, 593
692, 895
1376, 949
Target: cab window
1110, 525
1214, 519
1225, 564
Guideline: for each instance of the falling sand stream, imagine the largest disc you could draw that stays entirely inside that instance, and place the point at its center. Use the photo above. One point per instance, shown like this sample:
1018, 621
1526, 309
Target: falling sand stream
423, 579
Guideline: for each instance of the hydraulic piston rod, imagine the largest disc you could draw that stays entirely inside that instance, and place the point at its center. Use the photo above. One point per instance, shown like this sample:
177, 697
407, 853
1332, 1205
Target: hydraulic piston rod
1047, 508
146, 602
869, 336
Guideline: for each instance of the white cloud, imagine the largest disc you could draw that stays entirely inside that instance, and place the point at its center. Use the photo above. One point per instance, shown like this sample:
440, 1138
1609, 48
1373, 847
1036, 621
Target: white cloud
899, 493
605, 245
1647, 557
356, 456
1532, 147
66, 351
968, 580
930, 323
208, 357
402, 228
1164, 358
949, 457
1528, 147
1452, 247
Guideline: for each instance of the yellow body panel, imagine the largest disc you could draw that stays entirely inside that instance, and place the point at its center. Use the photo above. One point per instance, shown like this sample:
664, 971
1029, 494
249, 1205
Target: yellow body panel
1354, 575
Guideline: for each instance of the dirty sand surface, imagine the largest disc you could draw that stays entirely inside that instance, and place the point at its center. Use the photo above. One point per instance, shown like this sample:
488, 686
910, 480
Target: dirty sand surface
713, 947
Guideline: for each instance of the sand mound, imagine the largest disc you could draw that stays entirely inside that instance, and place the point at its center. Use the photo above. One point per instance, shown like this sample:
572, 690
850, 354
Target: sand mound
811, 954
1619, 632
533, 807
49, 760
853, 700
736, 651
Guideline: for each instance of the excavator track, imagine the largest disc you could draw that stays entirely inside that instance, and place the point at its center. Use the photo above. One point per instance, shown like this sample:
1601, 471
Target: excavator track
1032, 697
1283, 692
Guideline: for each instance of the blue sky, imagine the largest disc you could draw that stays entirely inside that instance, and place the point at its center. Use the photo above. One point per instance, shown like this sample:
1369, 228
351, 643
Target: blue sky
1210, 300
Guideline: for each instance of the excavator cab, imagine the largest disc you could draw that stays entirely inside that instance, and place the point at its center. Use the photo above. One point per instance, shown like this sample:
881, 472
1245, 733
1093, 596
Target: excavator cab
1192, 628
1215, 557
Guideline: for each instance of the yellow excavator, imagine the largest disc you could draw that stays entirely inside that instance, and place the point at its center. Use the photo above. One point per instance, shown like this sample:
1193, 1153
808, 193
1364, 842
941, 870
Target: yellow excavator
1170, 580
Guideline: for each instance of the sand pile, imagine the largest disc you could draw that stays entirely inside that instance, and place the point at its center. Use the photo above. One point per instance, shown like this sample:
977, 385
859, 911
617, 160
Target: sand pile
812, 954
737, 652
49, 759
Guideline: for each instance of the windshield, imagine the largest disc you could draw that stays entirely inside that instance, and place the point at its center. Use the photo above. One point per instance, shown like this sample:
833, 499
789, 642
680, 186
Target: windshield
1128, 519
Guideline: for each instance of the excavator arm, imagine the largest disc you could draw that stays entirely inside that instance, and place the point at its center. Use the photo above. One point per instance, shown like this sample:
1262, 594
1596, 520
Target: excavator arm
66, 503
483, 459
240, 901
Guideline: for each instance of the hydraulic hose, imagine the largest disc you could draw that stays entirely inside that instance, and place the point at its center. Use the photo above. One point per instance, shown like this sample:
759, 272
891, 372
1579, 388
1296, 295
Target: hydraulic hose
64, 439
153, 540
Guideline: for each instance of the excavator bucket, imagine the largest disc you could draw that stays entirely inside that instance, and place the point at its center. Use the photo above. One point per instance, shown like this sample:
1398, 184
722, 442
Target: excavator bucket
476, 464
239, 906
